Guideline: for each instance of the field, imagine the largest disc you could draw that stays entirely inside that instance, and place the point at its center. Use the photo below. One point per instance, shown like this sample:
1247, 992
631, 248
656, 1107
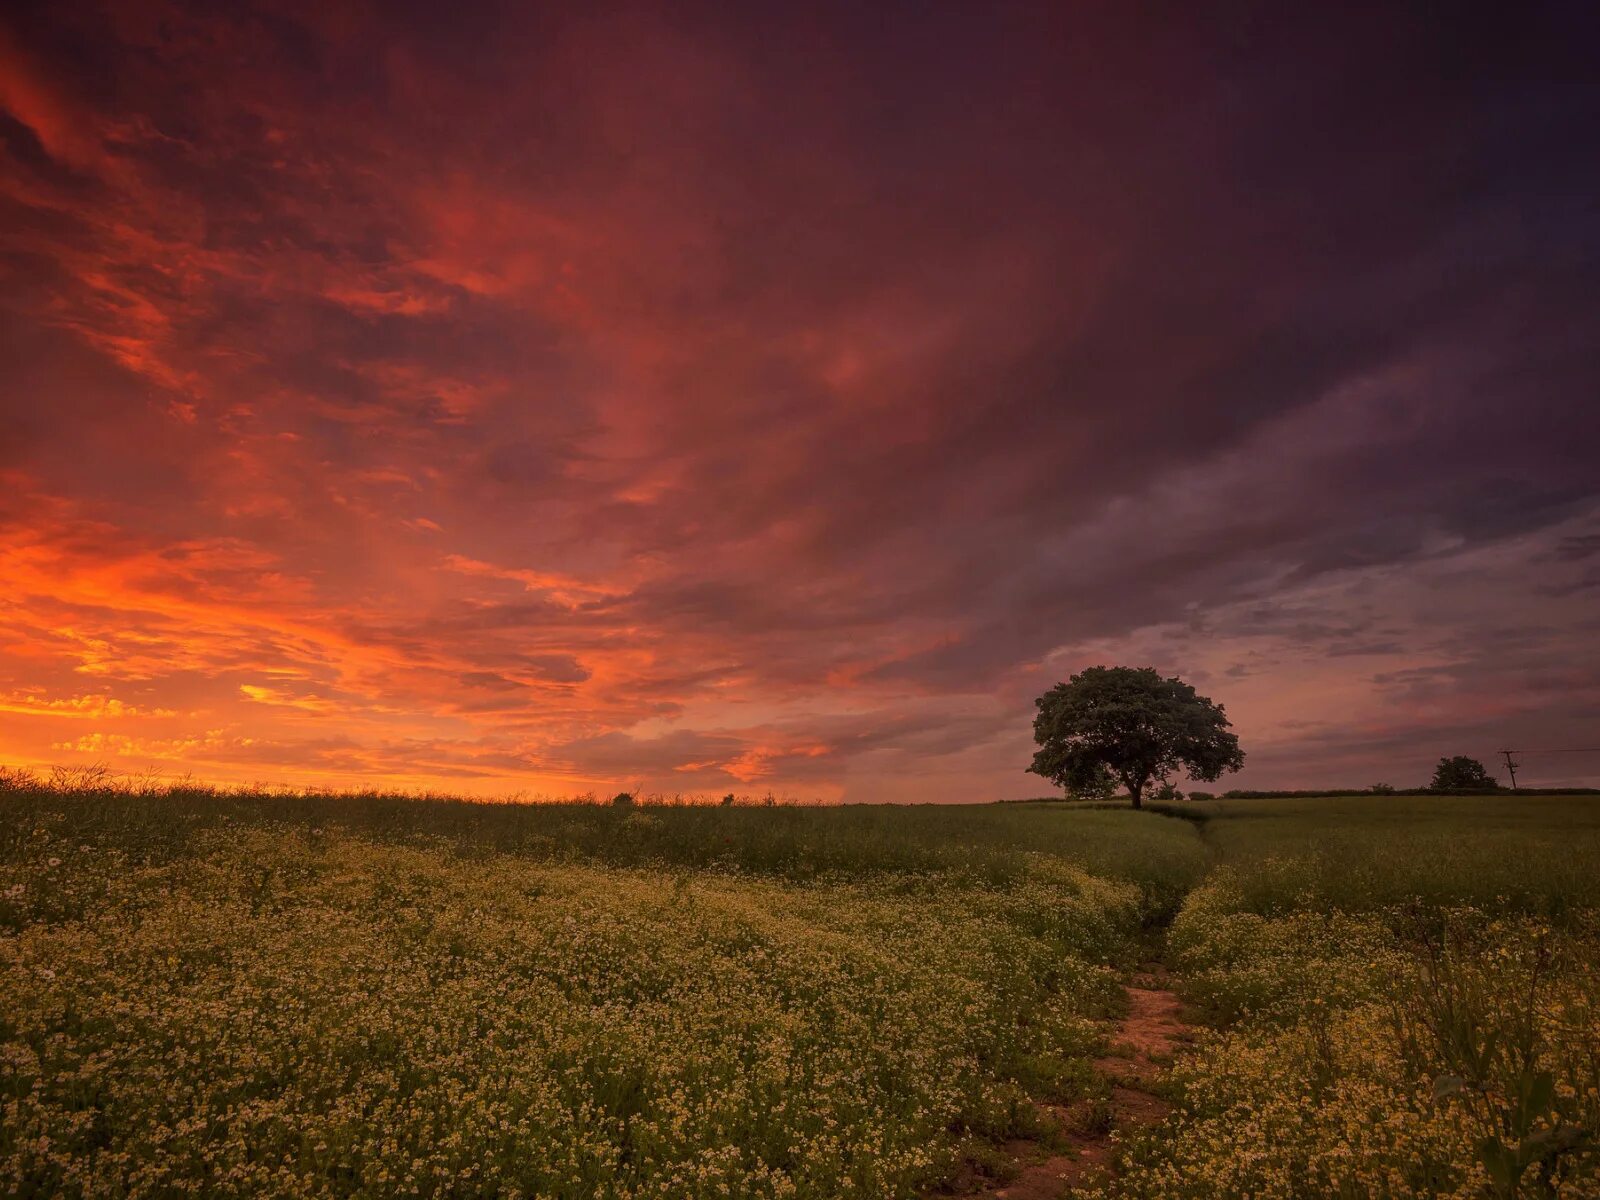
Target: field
1405, 993
258, 995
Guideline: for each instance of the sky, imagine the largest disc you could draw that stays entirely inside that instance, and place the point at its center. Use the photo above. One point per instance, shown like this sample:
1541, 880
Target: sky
776, 399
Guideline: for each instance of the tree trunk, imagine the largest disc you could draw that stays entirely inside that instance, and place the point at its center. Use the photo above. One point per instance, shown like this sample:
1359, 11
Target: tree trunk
1136, 791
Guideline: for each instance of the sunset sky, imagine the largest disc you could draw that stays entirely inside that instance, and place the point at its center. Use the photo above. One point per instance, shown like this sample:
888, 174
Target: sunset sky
724, 398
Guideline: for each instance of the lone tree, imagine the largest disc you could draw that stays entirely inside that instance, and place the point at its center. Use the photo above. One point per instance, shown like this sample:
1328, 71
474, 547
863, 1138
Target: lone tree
1135, 724
1462, 774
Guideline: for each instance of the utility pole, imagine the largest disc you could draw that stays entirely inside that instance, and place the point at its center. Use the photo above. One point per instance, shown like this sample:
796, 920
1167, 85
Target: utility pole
1511, 766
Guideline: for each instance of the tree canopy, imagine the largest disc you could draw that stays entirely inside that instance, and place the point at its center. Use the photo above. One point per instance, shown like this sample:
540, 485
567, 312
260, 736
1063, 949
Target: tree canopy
1134, 723
1462, 774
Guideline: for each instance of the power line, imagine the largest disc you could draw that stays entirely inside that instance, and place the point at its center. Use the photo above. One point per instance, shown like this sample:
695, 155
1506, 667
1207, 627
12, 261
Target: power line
1512, 764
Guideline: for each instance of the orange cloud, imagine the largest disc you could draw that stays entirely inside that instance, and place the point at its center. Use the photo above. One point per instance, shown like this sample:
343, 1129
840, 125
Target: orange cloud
87, 708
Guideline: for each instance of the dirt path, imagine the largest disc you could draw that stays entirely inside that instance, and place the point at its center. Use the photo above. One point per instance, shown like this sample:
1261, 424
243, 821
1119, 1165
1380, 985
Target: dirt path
1145, 1039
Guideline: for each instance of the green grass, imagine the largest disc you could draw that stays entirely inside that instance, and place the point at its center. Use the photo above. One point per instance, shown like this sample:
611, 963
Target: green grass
993, 843
1538, 854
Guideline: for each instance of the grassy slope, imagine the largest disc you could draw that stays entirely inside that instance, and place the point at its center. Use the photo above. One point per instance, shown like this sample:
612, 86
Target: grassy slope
988, 842
1539, 853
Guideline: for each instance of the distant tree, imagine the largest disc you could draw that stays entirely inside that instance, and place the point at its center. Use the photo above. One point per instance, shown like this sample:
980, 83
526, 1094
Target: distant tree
1168, 791
1461, 774
622, 799
1133, 723
727, 801
1197, 795
1382, 789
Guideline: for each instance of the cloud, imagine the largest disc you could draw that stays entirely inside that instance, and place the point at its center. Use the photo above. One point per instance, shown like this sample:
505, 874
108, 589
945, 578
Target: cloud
84, 708
553, 405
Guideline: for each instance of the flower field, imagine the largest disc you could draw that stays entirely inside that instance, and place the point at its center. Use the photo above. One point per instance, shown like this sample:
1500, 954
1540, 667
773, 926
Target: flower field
1406, 995
243, 1004
254, 995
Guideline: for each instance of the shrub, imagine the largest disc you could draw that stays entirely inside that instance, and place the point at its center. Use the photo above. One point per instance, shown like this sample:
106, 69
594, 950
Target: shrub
1202, 795
1462, 774
622, 799
17, 778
